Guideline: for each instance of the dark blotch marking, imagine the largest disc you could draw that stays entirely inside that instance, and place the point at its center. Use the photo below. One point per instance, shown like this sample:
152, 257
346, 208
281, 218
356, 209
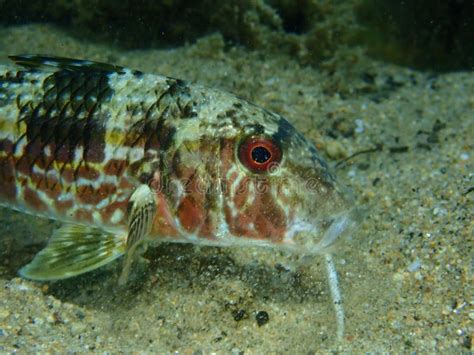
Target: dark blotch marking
176, 86
257, 129
165, 133
152, 142
144, 132
180, 93
233, 114
68, 116
230, 113
152, 130
285, 130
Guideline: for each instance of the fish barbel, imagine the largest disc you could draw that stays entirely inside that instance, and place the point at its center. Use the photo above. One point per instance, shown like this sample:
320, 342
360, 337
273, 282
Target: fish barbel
125, 158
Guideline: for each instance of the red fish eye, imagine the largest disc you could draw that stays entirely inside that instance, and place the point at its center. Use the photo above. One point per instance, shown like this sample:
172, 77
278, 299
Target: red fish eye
259, 154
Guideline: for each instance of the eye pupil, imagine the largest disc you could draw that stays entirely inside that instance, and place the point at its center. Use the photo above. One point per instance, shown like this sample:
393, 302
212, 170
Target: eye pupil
261, 155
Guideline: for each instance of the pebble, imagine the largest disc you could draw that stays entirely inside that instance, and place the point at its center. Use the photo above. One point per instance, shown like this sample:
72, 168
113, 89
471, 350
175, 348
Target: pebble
464, 156
336, 150
414, 266
262, 318
239, 314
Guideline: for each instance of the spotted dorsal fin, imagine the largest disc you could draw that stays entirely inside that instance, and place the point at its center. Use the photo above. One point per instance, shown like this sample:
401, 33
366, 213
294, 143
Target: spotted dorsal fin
33, 61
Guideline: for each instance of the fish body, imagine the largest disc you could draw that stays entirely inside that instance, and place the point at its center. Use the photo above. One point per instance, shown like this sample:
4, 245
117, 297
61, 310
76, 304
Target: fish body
125, 158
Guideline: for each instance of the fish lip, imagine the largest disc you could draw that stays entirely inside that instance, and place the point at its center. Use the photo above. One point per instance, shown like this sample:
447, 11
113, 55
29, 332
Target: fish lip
321, 236
341, 226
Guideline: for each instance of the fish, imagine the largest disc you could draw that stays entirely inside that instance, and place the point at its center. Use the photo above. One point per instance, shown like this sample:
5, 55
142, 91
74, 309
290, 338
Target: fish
126, 159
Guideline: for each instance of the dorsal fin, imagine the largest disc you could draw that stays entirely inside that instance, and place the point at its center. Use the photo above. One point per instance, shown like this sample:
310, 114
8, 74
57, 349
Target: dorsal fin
33, 61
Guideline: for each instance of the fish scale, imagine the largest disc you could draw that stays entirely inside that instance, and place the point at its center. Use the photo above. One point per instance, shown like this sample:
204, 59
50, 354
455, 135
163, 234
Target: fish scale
125, 159
63, 142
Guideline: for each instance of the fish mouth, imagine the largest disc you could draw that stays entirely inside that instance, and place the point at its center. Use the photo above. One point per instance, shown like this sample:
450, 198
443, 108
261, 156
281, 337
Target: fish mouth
331, 229
339, 227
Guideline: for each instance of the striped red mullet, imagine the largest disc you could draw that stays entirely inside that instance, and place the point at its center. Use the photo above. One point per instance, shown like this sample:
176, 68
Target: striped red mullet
125, 158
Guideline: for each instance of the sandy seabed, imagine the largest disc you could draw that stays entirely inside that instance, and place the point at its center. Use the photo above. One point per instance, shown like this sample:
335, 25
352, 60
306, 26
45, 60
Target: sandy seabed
406, 275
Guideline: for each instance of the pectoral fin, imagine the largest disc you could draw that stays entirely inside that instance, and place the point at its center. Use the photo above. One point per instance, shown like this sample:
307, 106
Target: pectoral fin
142, 210
74, 250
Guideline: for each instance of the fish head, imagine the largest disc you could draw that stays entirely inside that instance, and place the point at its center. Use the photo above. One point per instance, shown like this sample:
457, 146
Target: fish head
277, 190
241, 175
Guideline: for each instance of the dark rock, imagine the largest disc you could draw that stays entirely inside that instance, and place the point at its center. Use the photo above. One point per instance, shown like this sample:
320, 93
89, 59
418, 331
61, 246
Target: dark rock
262, 318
